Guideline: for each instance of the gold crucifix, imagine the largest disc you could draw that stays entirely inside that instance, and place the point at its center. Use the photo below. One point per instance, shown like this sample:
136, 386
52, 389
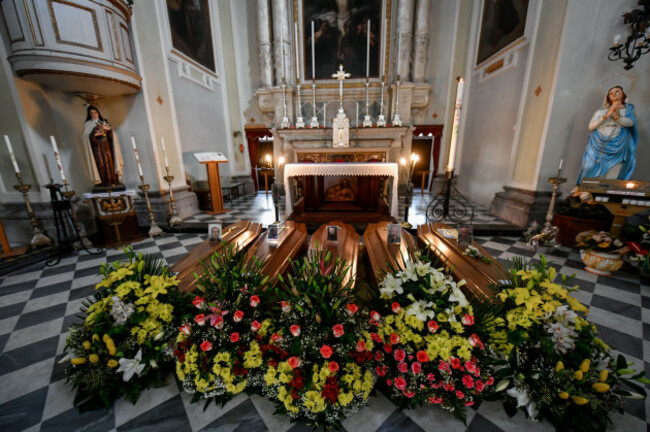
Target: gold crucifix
341, 75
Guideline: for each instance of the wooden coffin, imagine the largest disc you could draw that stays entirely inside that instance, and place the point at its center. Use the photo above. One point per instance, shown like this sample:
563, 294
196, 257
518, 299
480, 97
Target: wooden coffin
383, 255
291, 241
478, 274
240, 234
346, 247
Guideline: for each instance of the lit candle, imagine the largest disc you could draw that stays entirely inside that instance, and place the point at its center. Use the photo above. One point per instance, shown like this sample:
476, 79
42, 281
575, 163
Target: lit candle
561, 162
162, 142
617, 39
313, 53
368, 51
295, 30
11, 155
402, 161
454, 129
137, 157
58, 159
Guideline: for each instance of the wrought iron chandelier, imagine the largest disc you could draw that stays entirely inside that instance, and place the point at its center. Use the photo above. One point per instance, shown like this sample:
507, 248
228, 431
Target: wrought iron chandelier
638, 42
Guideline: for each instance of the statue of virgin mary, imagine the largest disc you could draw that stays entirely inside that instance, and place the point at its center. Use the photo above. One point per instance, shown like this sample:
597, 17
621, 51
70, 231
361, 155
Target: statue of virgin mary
102, 151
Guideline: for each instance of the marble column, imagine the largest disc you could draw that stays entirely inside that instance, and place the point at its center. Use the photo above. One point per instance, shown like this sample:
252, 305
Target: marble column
264, 43
421, 40
404, 37
281, 41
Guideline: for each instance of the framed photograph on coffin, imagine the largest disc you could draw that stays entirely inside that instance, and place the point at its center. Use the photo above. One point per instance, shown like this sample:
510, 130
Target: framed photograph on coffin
502, 24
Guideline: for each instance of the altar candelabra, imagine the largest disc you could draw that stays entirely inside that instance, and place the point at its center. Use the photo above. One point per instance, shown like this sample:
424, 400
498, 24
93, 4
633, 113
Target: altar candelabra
300, 121
396, 120
284, 124
154, 229
381, 120
314, 120
174, 219
547, 237
38, 237
367, 122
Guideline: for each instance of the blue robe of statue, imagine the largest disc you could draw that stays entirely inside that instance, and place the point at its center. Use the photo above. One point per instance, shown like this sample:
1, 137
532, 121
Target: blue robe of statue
611, 144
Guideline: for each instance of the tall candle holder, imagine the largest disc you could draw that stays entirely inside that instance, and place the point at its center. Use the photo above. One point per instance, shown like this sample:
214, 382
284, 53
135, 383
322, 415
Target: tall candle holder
174, 218
396, 120
300, 121
381, 120
547, 237
450, 203
68, 194
284, 124
367, 122
314, 119
39, 238
154, 229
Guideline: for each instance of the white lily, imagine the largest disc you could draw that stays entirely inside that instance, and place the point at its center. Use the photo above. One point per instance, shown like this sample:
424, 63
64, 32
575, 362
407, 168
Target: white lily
391, 285
523, 400
131, 366
458, 297
421, 310
422, 268
408, 273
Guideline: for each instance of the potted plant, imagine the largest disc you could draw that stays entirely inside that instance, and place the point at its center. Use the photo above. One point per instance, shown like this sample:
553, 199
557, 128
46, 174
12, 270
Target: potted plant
601, 252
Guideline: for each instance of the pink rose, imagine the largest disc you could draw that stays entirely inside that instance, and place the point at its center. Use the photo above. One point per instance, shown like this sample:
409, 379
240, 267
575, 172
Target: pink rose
399, 355
352, 308
468, 381
469, 403
409, 394
238, 316
489, 381
200, 319
326, 351
218, 321
255, 326
338, 330
402, 367
295, 330
389, 382
460, 394
443, 366
416, 368
234, 337
450, 387
375, 337
206, 346
431, 377
435, 400
479, 385
333, 366
294, 362
400, 383
255, 300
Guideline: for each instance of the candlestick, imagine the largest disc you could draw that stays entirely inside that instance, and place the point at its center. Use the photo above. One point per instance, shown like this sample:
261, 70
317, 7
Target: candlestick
11, 155
137, 157
325, 114
367, 121
58, 160
357, 116
174, 219
85, 243
154, 229
368, 50
314, 120
38, 237
396, 120
295, 30
162, 142
313, 54
454, 130
300, 121
381, 120
284, 124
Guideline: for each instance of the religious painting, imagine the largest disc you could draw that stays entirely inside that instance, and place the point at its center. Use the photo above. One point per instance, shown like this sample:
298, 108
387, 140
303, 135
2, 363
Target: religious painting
340, 189
340, 37
503, 23
189, 24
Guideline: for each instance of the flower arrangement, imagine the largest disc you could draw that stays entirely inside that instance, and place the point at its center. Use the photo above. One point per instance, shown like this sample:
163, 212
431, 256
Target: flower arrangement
318, 356
429, 344
218, 351
122, 347
473, 252
553, 364
638, 240
598, 241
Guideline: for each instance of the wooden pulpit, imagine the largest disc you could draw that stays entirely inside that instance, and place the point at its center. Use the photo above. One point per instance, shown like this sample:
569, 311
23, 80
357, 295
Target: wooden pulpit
384, 255
214, 184
346, 246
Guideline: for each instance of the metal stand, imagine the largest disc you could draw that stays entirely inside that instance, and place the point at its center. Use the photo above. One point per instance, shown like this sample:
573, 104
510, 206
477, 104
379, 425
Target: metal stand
408, 199
450, 203
174, 219
154, 229
276, 194
64, 218
547, 237
38, 237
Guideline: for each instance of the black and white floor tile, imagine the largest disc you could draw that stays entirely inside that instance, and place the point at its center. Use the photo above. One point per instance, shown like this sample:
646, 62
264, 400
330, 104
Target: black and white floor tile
38, 304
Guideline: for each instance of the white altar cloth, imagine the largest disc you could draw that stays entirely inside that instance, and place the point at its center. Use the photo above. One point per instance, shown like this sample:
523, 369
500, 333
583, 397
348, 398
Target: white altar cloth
389, 169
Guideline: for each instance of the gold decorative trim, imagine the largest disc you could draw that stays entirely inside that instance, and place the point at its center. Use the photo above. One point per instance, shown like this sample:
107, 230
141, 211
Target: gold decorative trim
18, 53
31, 25
11, 2
119, 4
22, 73
115, 39
55, 25
127, 42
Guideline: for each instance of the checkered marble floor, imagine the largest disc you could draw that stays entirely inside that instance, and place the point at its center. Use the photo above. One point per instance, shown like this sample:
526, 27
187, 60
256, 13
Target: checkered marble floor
38, 304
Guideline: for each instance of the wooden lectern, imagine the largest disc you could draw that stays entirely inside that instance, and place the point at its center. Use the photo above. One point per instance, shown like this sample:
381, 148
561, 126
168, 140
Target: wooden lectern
211, 162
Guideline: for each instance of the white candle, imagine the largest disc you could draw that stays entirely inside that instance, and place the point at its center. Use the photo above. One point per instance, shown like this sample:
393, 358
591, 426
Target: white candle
11, 155
381, 104
295, 30
398, 53
58, 159
454, 130
324, 114
560, 167
137, 157
162, 142
383, 43
357, 114
368, 51
313, 53
284, 70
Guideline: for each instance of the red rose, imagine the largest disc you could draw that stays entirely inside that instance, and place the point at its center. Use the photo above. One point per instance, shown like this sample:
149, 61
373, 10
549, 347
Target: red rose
334, 366
400, 383
409, 394
361, 345
234, 337
435, 400
352, 308
389, 382
375, 315
275, 337
474, 340
470, 366
479, 385
455, 363
255, 326
402, 367
431, 377
294, 362
326, 351
238, 316
338, 330
380, 371
468, 381
198, 301
395, 307
206, 346
449, 386
460, 394
432, 326
443, 366
416, 368
394, 338
286, 306
200, 319
489, 381
255, 300
388, 348
185, 328
469, 403
295, 330
379, 356
399, 355
422, 356
218, 322
468, 320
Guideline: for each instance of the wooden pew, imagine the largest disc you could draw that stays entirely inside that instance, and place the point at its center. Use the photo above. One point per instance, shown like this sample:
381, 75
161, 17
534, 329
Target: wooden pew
275, 257
381, 254
478, 274
346, 247
240, 234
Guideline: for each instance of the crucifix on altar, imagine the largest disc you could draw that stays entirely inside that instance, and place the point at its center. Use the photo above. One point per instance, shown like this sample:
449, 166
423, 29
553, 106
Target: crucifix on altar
341, 123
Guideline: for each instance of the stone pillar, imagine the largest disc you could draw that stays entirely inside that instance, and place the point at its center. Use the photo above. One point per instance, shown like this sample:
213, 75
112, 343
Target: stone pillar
404, 37
281, 34
264, 43
421, 42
